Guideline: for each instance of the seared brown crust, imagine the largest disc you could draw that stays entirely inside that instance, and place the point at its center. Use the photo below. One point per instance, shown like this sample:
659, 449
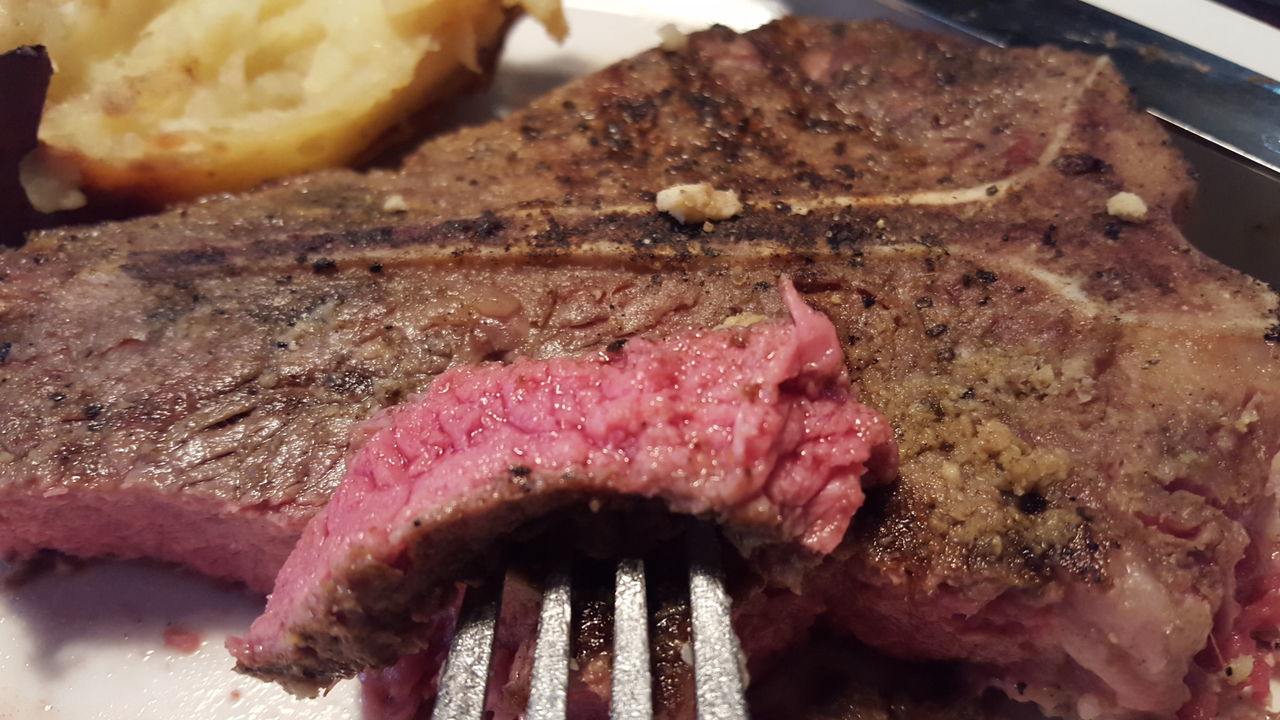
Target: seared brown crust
1071, 390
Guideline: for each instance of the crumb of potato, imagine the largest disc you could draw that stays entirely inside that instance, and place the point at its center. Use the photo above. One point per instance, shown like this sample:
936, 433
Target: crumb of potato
1127, 206
698, 203
395, 204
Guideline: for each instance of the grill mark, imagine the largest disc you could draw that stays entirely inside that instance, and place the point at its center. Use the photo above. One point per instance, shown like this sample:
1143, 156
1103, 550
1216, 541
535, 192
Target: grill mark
161, 265
760, 236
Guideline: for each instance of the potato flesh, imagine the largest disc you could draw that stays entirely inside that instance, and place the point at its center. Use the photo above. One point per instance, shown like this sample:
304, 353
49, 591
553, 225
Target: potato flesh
181, 97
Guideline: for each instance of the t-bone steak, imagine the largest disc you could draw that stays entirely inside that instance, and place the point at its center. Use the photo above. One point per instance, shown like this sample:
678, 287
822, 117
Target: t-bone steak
1086, 406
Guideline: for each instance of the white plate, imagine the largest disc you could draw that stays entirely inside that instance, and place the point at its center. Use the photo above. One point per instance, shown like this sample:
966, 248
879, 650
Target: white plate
90, 645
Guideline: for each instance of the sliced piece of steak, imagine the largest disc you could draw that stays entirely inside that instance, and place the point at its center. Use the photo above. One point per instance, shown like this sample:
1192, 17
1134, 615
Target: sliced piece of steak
755, 426
1087, 406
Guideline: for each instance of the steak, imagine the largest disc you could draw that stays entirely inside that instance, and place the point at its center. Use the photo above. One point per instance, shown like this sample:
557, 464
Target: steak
1085, 406
752, 425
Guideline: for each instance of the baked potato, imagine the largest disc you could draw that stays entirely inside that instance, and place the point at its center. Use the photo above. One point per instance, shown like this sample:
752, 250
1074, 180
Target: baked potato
162, 100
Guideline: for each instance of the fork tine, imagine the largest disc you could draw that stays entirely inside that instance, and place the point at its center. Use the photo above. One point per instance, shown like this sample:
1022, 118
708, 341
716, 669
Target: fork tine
632, 693
466, 671
717, 676
550, 684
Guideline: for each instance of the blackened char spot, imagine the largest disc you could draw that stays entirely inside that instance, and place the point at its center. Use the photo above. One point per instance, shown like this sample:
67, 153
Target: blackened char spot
637, 112
1079, 164
553, 237
373, 237
485, 226
1032, 503
843, 235
812, 179
847, 171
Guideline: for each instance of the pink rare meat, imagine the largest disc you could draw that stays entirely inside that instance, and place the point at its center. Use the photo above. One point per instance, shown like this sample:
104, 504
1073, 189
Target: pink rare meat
754, 426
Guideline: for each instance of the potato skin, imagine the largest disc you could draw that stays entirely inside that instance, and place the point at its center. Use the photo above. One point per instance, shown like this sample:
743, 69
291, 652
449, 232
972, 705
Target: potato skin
166, 100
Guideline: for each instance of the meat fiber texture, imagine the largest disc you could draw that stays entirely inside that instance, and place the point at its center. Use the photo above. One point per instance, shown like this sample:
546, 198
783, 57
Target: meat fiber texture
753, 425
1088, 407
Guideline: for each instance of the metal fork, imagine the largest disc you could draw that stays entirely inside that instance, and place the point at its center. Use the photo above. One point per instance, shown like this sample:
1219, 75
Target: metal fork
718, 679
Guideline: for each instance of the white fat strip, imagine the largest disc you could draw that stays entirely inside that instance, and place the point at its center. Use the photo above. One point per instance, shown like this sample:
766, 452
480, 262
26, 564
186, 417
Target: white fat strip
981, 192
1066, 287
